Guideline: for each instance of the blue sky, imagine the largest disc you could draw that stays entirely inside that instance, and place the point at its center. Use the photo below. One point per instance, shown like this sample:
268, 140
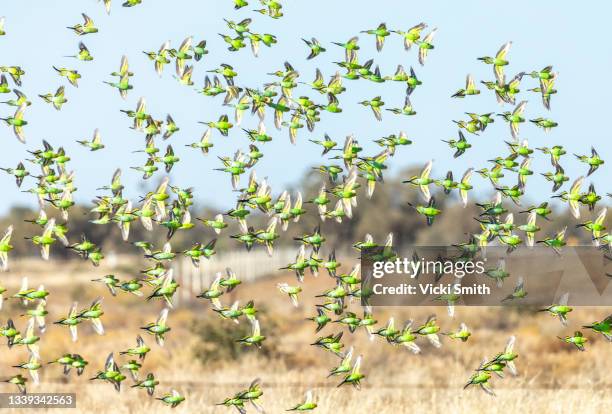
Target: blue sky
542, 34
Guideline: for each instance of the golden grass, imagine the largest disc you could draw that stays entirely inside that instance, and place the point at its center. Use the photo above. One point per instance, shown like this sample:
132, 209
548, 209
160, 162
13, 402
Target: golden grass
553, 377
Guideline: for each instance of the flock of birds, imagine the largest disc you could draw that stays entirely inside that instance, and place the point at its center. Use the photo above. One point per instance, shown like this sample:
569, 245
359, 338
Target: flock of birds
168, 206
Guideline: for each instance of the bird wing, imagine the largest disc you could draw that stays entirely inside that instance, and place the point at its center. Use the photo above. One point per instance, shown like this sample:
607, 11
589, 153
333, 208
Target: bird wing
163, 316
186, 45
503, 51
256, 328
564, 299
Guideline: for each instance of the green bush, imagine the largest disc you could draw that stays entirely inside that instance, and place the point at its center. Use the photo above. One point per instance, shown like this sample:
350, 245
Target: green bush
217, 338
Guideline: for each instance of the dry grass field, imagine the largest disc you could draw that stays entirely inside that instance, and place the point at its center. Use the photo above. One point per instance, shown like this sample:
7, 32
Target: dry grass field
553, 377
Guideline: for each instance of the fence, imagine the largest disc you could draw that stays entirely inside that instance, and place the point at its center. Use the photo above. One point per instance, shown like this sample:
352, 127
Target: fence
248, 266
